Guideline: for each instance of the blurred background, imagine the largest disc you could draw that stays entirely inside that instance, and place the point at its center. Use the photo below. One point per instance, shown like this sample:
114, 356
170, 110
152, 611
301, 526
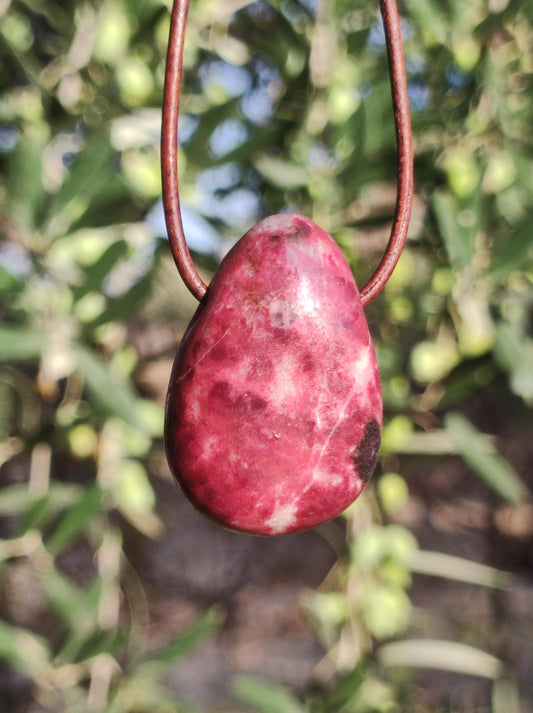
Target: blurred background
115, 595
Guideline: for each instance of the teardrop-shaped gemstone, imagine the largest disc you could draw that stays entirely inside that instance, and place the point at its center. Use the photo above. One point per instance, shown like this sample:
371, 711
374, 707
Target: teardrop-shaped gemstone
274, 406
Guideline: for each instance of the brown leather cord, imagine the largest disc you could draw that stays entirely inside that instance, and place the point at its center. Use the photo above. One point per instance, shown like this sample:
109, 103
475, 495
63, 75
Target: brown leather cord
169, 152
402, 123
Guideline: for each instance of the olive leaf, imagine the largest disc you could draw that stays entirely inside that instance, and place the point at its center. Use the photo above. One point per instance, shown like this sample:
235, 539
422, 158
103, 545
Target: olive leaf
491, 467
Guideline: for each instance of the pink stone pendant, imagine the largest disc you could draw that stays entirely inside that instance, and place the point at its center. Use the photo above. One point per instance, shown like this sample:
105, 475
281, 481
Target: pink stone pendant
274, 412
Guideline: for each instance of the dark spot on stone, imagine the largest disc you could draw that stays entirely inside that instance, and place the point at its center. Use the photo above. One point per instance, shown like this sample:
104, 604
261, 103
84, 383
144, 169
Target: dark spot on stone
257, 403
284, 317
249, 402
366, 453
220, 391
307, 361
281, 335
302, 229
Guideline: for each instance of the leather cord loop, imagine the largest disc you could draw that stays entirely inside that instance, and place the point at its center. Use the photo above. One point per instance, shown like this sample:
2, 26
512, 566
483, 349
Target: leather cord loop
169, 152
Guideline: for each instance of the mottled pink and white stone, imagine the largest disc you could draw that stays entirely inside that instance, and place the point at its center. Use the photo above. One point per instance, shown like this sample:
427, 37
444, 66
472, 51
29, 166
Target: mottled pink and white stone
274, 407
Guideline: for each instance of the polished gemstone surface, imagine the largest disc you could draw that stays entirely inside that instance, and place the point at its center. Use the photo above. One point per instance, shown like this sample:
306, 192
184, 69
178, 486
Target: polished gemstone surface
274, 406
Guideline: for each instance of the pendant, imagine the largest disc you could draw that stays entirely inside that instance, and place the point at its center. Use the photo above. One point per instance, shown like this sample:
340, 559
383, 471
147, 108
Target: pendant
274, 408
274, 411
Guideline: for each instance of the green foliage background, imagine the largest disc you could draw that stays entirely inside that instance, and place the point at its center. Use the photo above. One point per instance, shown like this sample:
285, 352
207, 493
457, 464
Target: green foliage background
285, 105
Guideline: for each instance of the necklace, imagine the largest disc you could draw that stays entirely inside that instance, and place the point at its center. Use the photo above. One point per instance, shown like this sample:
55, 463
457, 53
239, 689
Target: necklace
274, 407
